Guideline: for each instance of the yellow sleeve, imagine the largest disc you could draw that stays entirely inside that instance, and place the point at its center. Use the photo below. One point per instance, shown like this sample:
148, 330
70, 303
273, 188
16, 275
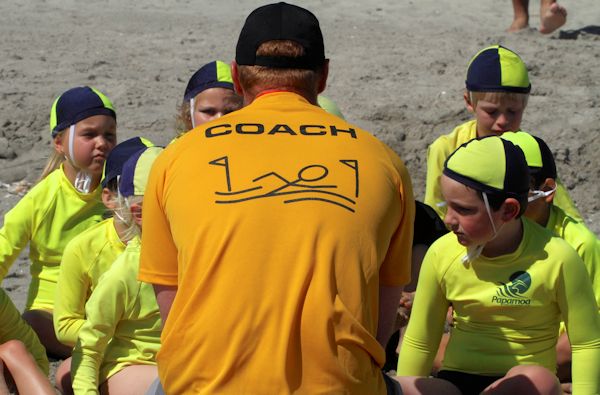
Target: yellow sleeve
103, 310
13, 327
15, 233
426, 323
563, 200
71, 294
158, 259
437, 153
580, 314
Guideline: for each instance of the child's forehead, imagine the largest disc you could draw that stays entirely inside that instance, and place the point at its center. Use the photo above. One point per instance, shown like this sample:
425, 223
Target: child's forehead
452, 189
500, 98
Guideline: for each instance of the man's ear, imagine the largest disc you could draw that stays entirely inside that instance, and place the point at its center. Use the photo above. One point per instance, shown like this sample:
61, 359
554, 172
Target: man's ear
236, 78
324, 75
510, 209
468, 103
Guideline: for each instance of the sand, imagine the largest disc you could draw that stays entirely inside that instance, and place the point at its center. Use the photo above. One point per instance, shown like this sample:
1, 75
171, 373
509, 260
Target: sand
397, 69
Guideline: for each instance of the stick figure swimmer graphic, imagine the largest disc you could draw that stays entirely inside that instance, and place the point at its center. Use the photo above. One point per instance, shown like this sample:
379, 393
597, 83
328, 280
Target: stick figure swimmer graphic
305, 187
518, 285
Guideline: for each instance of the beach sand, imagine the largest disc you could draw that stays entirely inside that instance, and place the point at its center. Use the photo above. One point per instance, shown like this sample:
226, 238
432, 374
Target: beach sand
397, 69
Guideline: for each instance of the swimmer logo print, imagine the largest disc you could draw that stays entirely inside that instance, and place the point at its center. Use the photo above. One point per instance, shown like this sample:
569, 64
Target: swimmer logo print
309, 183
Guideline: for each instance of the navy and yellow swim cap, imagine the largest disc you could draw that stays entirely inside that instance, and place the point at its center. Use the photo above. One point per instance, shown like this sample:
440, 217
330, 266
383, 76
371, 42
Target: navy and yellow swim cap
216, 74
537, 154
119, 155
136, 171
491, 165
77, 104
497, 69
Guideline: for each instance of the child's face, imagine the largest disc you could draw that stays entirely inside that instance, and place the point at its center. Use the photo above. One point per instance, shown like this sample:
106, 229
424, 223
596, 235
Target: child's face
466, 214
213, 103
495, 117
94, 138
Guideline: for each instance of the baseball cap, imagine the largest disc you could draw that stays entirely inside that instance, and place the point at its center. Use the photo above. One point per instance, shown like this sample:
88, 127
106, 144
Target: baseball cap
497, 69
281, 21
136, 170
537, 154
77, 104
216, 74
491, 165
119, 155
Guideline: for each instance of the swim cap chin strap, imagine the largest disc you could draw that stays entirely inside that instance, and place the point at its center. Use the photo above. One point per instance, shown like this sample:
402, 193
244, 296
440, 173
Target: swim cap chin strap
192, 102
83, 179
473, 252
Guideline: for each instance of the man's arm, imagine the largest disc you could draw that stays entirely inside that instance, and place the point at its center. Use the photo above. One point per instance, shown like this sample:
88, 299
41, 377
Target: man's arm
389, 298
165, 295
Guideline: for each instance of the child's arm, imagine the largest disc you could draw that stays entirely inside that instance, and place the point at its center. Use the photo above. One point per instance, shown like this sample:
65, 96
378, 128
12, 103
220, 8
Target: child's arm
15, 233
13, 327
103, 310
426, 323
71, 294
580, 313
437, 153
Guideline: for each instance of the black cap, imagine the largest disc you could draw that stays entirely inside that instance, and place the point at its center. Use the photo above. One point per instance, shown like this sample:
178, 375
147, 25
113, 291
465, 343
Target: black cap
281, 21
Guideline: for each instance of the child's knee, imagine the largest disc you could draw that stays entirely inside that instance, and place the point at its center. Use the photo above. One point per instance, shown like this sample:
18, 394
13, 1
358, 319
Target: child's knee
537, 378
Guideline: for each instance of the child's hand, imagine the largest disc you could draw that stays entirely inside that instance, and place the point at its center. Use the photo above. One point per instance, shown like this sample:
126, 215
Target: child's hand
404, 308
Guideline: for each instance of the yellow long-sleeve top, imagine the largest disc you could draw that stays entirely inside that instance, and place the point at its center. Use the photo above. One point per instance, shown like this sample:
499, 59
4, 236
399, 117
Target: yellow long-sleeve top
122, 326
47, 217
440, 150
13, 327
582, 240
506, 309
84, 260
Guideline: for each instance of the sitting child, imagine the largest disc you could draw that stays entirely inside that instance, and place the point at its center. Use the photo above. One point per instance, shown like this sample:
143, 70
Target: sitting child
117, 345
88, 256
541, 209
509, 282
497, 90
208, 95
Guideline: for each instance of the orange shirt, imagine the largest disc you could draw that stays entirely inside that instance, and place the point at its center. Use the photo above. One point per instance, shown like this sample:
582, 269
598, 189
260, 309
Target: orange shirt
277, 223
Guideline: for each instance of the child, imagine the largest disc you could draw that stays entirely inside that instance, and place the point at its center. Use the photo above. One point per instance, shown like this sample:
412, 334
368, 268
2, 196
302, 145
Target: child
209, 95
509, 282
541, 210
497, 90
65, 202
117, 345
88, 256
22, 355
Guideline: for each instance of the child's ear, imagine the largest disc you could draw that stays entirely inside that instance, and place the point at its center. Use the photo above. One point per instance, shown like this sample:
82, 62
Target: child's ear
136, 213
510, 209
57, 141
236, 80
549, 185
468, 102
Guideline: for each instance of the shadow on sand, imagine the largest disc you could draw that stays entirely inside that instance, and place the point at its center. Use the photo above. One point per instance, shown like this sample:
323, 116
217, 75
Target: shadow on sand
574, 34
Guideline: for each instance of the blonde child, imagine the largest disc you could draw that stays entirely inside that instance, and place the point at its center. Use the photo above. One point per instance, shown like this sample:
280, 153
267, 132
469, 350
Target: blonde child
88, 256
509, 282
208, 95
64, 203
23, 359
541, 209
497, 90
117, 345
